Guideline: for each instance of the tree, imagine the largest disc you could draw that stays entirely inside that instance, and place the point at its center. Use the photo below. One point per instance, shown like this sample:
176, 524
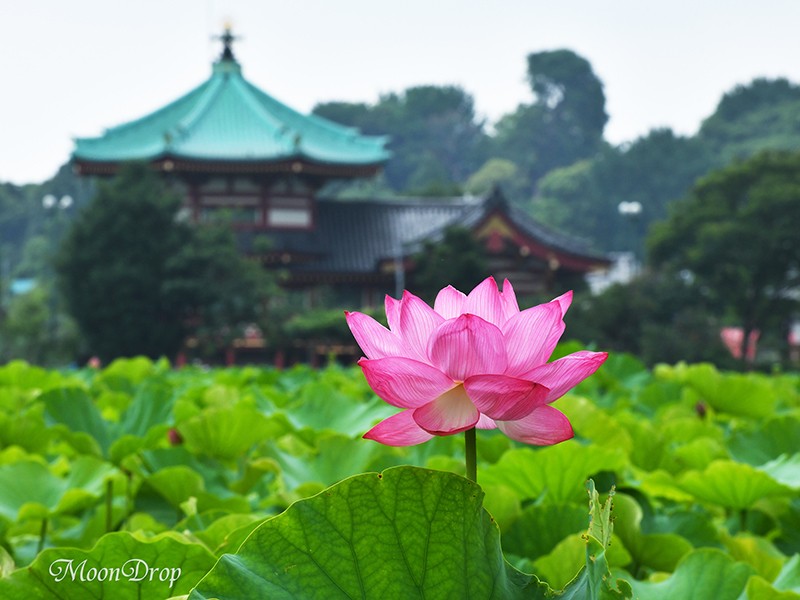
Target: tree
736, 234
658, 317
33, 329
498, 172
435, 137
563, 125
458, 260
565, 82
220, 291
136, 279
653, 170
762, 115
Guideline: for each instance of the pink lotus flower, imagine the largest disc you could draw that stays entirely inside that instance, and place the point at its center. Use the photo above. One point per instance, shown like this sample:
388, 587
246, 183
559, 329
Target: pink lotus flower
470, 361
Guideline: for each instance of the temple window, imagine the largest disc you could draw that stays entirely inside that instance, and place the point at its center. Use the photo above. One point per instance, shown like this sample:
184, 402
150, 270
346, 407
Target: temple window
289, 213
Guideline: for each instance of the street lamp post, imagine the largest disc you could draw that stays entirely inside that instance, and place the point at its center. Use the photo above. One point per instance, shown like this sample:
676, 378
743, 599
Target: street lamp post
632, 211
53, 206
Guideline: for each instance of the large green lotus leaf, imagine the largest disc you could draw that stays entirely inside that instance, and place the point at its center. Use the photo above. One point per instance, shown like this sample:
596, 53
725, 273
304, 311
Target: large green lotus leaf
167, 489
26, 430
502, 504
563, 563
696, 454
73, 407
658, 394
176, 484
256, 471
694, 523
407, 533
151, 406
678, 426
760, 589
227, 533
620, 373
127, 445
228, 433
165, 552
540, 528
29, 489
701, 575
335, 457
7, 565
566, 560
766, 441
492, 445
647, 450
785, 469
661, 484
556, 474
322, 407
135, 369
216, 477
595, 424
746, 395
757, 552
789, 577
654, 551
731, 484
31, 380
27, 484
788, 539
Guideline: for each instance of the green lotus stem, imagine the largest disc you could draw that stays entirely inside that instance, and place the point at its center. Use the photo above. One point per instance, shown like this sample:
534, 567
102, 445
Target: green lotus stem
42, 535
471, 454
109, 504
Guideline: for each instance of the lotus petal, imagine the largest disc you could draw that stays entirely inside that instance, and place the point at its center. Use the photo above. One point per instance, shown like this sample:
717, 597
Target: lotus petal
565, 373
543, 427
399, 430
405, 382
531, 336
374, 339
451, 412
486, 302
416, 324
449, 302
468, 346
505, 398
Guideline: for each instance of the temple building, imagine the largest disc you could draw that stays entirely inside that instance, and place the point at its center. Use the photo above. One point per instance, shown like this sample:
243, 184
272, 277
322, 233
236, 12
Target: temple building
228, 146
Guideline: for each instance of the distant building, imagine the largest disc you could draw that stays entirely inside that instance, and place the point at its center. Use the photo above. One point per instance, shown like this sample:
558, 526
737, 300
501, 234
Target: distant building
227, 145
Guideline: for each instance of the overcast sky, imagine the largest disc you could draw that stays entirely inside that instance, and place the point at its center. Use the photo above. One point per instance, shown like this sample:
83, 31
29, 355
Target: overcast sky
71, 68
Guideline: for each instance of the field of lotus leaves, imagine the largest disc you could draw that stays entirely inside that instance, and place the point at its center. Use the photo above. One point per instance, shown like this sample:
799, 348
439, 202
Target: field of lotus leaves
140, 481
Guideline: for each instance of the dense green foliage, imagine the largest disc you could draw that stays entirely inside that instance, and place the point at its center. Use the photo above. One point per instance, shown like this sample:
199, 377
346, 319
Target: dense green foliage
458, 259
180, 467
138, 281
763, 115
737, 236
436, 138
565, 122
654, 170
657, 317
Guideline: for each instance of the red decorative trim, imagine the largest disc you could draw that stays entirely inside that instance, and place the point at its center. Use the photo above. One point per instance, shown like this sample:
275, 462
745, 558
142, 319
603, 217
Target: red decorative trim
568, 260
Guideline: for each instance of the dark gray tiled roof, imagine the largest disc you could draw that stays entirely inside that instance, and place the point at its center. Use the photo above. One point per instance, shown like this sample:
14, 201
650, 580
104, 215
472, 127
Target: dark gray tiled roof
356, 236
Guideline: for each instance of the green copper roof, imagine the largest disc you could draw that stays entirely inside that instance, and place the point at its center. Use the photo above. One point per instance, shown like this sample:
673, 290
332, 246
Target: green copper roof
228, 119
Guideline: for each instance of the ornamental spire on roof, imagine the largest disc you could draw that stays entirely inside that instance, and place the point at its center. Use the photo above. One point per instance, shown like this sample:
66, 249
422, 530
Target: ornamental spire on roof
227, 38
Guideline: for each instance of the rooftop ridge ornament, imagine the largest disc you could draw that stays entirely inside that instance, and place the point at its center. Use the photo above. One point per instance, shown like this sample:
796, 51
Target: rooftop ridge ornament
227, 38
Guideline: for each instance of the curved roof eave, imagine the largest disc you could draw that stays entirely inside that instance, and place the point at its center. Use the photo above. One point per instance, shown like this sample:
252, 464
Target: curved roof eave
228, 119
